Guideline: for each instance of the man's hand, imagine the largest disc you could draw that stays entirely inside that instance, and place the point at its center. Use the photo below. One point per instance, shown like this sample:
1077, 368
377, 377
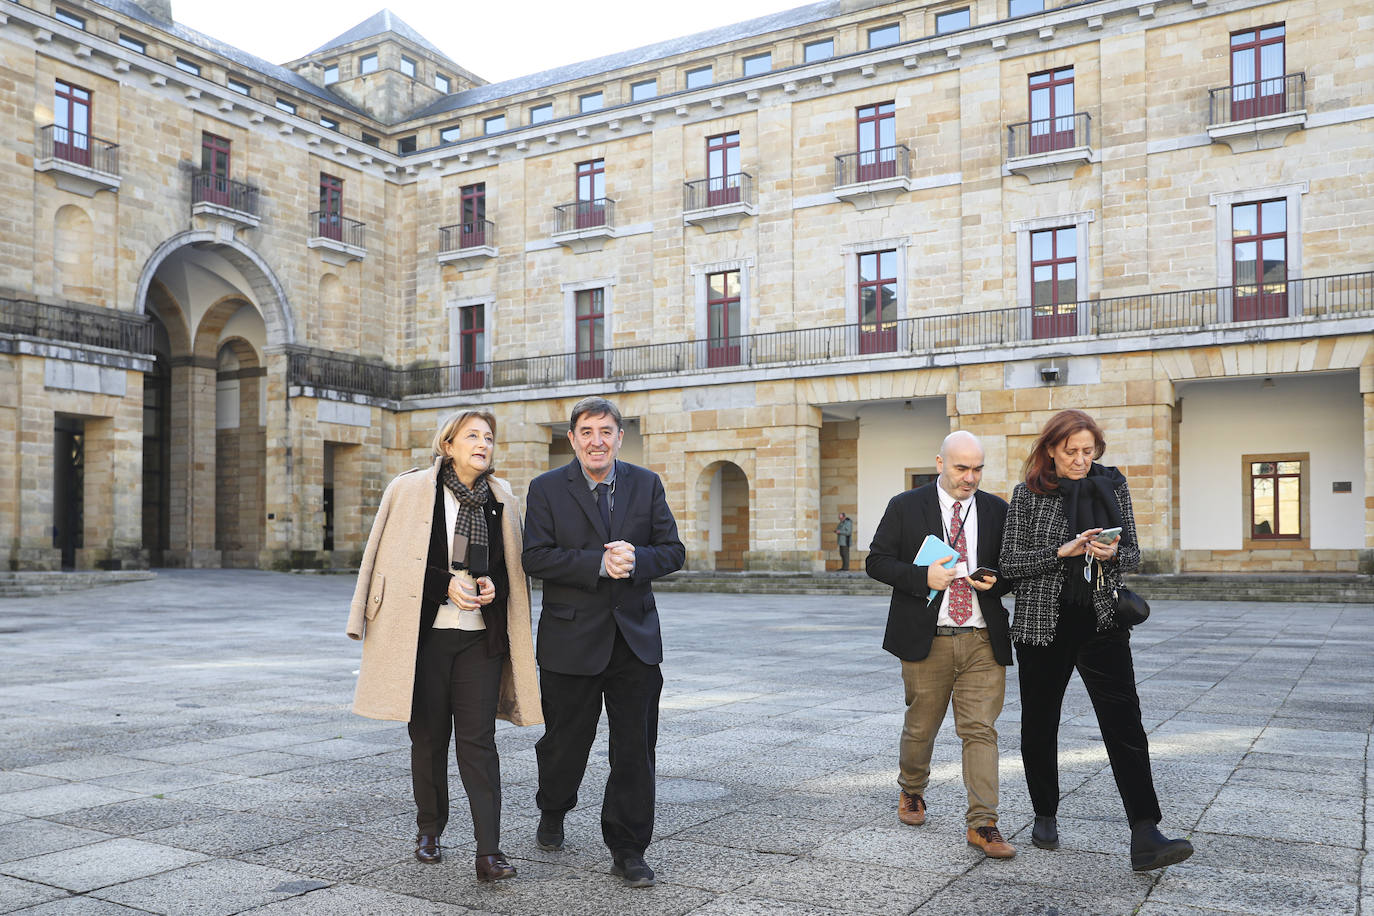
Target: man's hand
619, 559
463, 593
938, 576
486, 591
983, 585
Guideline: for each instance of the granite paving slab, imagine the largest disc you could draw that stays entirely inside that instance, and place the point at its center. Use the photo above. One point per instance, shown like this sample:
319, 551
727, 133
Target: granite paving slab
16, 894
216, 888
79, 906
88, 867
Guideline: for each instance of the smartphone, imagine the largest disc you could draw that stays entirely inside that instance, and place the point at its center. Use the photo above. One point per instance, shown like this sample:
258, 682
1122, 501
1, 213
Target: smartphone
982, 573
1107, 535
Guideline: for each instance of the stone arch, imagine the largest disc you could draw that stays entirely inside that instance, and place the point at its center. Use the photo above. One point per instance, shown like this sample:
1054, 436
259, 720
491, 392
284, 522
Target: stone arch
74, 254
207, 342
165, 307
722, 518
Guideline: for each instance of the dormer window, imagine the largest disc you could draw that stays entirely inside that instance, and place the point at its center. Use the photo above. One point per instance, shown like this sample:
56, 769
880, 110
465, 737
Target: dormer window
367, 64
331, 74
408, 67
443, 83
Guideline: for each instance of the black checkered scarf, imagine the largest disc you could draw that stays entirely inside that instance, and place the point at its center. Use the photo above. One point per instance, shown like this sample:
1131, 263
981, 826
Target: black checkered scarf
470, 522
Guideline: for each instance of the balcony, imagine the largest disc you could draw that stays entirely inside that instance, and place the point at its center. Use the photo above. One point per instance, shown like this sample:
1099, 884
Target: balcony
1050, 149
467, 245
339, 238
79, 163
1259, 114
873, 178
719, 204
221, 198
584, 225
88, 327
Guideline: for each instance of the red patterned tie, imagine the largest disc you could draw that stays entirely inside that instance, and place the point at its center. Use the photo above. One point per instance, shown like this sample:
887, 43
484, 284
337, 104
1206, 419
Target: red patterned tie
960, 594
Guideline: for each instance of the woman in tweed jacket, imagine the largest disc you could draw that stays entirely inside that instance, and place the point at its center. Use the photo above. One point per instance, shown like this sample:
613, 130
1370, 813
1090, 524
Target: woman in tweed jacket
1065, 582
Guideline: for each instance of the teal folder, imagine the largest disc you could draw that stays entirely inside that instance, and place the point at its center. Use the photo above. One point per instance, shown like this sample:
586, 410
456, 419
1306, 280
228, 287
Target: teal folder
932, 549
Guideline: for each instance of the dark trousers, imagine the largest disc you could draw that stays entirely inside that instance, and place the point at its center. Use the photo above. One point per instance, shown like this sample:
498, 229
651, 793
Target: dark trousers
1104, 663
572, 709
844, 556
456, 688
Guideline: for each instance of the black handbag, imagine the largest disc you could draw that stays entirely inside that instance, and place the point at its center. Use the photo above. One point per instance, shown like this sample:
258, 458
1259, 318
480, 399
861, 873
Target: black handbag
1131, 609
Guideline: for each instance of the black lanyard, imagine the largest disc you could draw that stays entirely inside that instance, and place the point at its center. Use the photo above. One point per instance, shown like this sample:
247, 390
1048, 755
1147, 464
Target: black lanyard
963, 522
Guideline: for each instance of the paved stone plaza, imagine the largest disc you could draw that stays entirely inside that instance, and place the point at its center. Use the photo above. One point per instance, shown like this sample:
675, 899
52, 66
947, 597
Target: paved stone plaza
184, 745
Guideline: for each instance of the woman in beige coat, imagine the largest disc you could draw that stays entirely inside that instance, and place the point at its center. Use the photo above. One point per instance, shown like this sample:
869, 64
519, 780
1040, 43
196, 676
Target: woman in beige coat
442, 606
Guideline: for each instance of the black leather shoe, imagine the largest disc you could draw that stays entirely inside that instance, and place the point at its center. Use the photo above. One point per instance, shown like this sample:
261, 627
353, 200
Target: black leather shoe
427, 849
634, 870
494, 868
1151, 849
549, 834
1045, 833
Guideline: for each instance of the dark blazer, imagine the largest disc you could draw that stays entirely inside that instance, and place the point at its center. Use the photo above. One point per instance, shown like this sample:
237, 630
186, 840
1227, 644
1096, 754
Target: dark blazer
909, 517
437, 573
564, 540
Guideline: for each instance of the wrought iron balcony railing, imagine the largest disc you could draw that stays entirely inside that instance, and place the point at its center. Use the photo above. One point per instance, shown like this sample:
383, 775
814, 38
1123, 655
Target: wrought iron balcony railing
1048, 135
584, 214
873, 165
343, 372
208, 188
1257, 98
324, 224
55, 142
92, 327
461, 236
705, 193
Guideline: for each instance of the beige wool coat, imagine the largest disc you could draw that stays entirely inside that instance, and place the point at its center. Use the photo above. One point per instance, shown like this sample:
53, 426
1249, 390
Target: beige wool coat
385, 613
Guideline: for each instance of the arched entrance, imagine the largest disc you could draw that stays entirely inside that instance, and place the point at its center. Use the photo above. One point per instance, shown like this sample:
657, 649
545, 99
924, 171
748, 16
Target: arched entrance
723, 494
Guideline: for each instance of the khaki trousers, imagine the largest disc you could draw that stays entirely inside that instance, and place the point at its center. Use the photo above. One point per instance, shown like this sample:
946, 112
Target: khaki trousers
961, 666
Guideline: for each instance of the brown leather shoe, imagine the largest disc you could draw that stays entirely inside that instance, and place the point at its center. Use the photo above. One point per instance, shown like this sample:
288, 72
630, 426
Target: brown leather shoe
427, 849
911, 809
989, 839
494, 868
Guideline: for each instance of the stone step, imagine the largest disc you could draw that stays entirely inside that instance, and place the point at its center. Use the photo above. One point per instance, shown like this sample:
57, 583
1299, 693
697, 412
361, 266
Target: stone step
36, 584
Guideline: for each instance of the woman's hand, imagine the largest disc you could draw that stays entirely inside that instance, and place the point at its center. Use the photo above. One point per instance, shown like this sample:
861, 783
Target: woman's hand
1104, 551
463, 594
486, 591
1079, 545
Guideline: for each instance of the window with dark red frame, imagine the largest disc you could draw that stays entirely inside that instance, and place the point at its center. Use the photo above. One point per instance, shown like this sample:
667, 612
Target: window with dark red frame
474, 229
1275, 500
214, 163
878, 302
877, 141
1259, 259
722, 169
1054, 282
1257, 63
1051, 110
723, 318
471, 346
591, 327
591, 193
71, 123
331, 207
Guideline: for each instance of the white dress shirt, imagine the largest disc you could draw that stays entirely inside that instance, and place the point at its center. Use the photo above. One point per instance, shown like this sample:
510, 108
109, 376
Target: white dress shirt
968, 514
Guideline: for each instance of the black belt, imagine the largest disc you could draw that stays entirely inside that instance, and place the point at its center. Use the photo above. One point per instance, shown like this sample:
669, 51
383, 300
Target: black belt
951, 631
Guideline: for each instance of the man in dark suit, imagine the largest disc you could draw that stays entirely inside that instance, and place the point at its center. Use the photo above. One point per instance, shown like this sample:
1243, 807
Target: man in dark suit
598, 532
956, 644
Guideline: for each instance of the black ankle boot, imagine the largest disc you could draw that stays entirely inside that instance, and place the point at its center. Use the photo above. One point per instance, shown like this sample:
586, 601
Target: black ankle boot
1152, 849
549, 834
1045, 833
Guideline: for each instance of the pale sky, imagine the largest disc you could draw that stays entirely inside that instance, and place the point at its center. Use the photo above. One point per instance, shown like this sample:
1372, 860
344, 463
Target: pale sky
495, 40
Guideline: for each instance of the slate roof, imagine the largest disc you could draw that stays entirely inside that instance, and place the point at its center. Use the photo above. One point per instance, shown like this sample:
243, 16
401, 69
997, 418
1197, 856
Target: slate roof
381, 22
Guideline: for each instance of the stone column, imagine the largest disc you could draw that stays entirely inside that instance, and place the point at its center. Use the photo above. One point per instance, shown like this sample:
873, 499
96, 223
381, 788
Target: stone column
33, 547
787, 514
278, 471
1367, 395
191, 509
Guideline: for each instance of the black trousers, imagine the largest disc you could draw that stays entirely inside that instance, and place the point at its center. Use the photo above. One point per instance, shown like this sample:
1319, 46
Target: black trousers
572, 703
456, 688
844, 556
1104, 663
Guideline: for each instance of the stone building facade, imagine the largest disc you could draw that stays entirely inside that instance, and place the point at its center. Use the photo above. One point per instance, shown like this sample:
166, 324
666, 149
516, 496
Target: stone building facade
236, 297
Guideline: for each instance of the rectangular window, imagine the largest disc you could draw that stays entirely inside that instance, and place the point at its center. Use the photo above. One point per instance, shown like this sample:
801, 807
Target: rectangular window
473, 231
722, 169
443, 83
591, 193
877, 141
592, 101
331, 74
371, 140
408, 66
71, 134
367, 64
541, 113
329, 122
188, 66
952, 21
723, 319
590, 330
884, 35
758, 63
1051, 110
1276, 508
472, 334
133, 44
494, 125
699, 77
1259, 247
239, 87
70, 19
406, 145
1054, 282
1257, 65
644, 89
1024, 7
331, 207
878, 302
450, 134
213, 184
284, 105
818, 50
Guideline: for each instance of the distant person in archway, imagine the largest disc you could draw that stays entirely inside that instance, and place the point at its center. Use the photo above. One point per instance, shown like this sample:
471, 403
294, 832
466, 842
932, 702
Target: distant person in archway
844, 532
